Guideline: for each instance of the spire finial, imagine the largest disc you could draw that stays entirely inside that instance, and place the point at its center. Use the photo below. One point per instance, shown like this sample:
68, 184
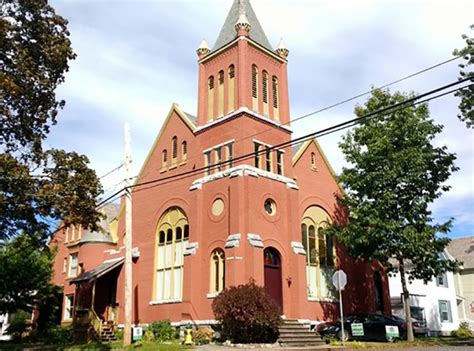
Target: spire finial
242, 26
203, 49
282, 50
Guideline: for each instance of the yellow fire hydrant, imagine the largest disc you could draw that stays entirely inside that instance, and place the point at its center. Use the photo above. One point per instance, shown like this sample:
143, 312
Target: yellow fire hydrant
188, 337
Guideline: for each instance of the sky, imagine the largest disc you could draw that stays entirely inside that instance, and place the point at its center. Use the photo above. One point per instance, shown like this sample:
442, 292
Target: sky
136, 58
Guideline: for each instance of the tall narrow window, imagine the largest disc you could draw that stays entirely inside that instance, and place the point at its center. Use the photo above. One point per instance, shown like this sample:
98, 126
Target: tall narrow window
229, 155
65, 265
207, 162
231, 88
72, 265
174, 148
164, 159
68, 307
265, 92
184, 151
319, 252
268, 159
444, 311
220, 94
66, 235
210, 98
258, 155
217, 281
279, 162
313, 161
276, 113
172, 237
255, 88
218, 159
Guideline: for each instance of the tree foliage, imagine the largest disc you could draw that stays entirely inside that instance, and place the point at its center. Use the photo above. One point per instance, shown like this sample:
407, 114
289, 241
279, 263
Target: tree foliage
467, 94
26, 269
247, 314
37, 186
395, 173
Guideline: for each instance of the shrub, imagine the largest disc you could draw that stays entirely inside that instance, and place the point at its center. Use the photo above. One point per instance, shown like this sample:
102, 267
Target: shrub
56, 335
462, 332
19, 324
247, 314
163, 330
203, 335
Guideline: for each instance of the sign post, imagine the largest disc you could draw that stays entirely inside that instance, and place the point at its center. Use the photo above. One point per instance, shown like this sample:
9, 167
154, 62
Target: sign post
339, 280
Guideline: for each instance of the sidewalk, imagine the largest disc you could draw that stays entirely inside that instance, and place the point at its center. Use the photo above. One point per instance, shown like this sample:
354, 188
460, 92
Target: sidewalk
275, 348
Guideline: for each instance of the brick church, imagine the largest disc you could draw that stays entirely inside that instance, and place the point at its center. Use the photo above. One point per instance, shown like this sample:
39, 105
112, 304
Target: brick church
239, 218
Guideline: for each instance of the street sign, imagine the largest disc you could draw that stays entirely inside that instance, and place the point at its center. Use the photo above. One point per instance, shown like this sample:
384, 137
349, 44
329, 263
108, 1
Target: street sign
357, 329
339, 280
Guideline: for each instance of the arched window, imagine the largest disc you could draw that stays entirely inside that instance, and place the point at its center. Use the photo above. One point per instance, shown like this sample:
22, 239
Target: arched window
265, 92
172, 237
276, 113
254, 87
164, 158
217, 265
210, 98
313, 161
184, 151
220, 93
174, 148
319, 252
231, 88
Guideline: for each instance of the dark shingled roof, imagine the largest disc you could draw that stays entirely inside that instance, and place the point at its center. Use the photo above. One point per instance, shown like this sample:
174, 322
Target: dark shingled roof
104, 235
98, 271
191, 117
462, 249
228, 32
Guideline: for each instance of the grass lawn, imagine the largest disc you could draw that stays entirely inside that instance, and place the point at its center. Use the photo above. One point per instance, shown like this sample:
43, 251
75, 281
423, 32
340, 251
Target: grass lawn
419, 342
145, 346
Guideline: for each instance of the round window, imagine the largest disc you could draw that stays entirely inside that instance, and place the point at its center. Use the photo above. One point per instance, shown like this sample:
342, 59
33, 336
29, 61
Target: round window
217, 207
270, 207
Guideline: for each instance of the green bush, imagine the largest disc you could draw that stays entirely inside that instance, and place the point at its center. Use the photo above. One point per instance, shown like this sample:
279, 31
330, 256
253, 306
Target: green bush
462, 332
247, 314
163, 330
19, 324
203, 335
56, 335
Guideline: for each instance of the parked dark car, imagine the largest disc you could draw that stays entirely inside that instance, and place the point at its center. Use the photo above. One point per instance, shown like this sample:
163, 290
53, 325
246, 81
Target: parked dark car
365, 327
419, 327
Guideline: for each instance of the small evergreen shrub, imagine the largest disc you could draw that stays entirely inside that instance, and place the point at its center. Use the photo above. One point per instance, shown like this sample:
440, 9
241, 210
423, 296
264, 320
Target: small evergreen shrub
203, 335
462, 332
19, 324
247, 314
163, 330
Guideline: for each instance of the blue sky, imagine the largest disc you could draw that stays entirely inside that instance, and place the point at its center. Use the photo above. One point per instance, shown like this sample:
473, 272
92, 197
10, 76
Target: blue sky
135, 58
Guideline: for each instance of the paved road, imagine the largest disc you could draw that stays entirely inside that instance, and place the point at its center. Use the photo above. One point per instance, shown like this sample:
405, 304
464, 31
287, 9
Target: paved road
329, 348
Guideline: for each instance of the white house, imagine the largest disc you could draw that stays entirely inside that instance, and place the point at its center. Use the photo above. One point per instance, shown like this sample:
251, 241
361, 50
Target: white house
433, 303
3, 327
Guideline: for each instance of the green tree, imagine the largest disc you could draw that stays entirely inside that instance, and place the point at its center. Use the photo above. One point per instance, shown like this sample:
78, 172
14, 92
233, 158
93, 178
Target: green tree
467, 94
394, 174
37, 187
26, 269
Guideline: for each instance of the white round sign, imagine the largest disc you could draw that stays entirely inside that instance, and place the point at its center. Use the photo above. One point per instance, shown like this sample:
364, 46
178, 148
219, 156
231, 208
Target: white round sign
339, 280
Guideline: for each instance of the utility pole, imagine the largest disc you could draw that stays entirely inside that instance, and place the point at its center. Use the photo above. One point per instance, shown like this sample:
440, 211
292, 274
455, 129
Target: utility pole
127, 333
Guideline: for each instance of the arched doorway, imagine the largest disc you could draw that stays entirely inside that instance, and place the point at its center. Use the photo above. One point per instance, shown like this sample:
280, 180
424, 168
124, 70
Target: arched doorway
272, 274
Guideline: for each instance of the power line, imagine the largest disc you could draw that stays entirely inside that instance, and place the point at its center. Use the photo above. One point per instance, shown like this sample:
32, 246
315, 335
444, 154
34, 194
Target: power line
424, 70
112, 170
398, 106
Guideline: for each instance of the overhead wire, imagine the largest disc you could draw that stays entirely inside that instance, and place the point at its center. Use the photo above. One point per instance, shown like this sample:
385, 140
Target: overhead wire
402, 105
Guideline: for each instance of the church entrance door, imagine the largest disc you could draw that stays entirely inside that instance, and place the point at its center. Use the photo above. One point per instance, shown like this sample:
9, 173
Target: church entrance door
272, 275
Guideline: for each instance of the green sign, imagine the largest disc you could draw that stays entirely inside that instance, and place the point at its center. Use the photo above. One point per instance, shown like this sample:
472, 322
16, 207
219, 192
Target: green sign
391, 331
357, 329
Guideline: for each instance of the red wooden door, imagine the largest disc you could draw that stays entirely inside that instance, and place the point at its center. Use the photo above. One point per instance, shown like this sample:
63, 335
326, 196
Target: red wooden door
272, 275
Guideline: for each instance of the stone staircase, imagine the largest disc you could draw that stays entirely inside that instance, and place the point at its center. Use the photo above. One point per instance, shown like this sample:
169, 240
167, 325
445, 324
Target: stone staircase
107, 333
294, 333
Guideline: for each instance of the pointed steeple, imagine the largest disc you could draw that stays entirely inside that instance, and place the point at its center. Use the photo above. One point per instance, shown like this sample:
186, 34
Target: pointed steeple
241, 9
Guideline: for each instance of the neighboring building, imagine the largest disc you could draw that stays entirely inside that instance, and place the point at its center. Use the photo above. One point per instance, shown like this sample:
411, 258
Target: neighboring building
240, 218
462, 249
433, 304
4, 319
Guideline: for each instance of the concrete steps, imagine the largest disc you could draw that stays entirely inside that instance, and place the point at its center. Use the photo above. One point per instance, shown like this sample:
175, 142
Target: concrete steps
296, 334
108, 333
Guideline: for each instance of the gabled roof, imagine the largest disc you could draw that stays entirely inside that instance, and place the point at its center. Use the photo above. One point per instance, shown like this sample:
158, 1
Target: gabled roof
98, 271
228, 32
462, 249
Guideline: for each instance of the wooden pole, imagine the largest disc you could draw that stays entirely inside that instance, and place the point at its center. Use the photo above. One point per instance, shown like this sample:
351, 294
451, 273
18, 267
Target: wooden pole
127, 333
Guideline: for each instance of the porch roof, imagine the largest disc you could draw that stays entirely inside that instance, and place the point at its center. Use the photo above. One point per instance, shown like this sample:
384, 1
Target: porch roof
98, 271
